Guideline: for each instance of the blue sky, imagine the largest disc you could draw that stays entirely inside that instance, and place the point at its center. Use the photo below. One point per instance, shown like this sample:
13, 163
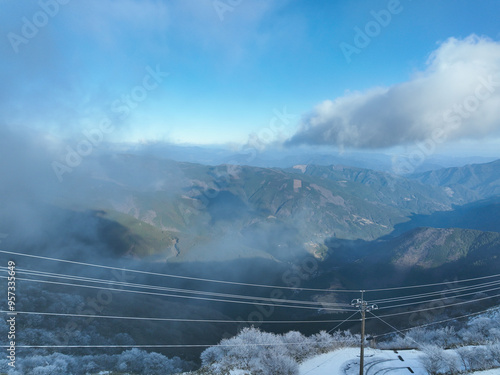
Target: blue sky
232, 64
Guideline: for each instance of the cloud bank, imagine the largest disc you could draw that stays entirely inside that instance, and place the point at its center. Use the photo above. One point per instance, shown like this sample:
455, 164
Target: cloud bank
456, 97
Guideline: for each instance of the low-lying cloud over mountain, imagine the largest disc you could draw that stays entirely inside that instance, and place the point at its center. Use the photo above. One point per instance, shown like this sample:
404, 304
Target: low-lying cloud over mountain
456, 97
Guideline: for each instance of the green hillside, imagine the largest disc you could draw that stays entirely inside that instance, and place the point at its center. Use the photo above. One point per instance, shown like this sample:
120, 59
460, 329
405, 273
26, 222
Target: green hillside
418, 256
431, 247
135, 237
172, 209
178, 212
467, 183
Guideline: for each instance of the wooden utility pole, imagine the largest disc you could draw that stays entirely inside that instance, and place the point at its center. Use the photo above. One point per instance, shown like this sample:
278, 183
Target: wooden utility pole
362, 349
363, 307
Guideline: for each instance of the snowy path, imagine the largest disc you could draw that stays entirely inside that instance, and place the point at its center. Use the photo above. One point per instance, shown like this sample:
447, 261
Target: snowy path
377, 362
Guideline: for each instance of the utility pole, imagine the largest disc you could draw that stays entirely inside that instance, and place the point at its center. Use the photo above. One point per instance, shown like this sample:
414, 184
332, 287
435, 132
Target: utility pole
363, 307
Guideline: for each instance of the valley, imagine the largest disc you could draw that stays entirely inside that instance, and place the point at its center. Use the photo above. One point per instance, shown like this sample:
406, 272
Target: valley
311, 231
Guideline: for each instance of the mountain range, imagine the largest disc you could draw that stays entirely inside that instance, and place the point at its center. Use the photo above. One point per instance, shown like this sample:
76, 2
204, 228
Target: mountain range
179, 211
307, 225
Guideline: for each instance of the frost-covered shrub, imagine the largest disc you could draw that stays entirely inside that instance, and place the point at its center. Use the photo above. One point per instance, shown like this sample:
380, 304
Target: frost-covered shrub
135, 360
270, 364
261, 353
142, 362
322, 342
298, 346
480, 330
345, 339
478, 358
495, 352
438, 361
442, 337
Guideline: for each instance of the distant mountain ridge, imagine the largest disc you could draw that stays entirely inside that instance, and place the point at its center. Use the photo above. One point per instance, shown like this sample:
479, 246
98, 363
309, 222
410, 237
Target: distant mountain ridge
168, 211
385, 188
334, 226
481, 215
419, 256
251, 211
468, 183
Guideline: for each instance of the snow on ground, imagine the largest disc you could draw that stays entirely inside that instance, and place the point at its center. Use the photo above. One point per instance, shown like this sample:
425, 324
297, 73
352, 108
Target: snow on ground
377, 362
346, 362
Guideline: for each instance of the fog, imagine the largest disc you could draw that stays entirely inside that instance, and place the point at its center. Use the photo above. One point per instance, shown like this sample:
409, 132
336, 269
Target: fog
226, 157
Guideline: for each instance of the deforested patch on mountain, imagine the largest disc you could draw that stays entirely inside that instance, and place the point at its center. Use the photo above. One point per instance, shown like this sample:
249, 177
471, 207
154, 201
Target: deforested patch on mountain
421, 254
198, 209
383, 188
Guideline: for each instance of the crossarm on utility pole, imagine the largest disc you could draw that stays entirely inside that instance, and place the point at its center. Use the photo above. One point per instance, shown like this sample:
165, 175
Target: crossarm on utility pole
363, 307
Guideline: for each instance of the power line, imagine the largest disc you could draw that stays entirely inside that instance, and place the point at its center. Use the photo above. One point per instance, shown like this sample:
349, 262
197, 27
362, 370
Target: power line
429, 285
438, 307
437, 299
182, 290
430, 294
158, 346
176, 276
179, 296
420, 326
171, 319
390, 325
240, 283
363, 307
434, 323
338, 325
147, 346
229, 301
179, 290
227, 295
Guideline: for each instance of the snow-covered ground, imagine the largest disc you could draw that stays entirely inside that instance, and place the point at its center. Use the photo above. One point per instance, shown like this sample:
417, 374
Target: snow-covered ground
346, 362
377, 362
380, 362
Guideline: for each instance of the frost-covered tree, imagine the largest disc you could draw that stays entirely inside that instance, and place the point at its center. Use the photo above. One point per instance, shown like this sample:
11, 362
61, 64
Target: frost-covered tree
132, 361
323, 342
261, 353
480, 330
438, 361
343, 339
479, 358
298, 346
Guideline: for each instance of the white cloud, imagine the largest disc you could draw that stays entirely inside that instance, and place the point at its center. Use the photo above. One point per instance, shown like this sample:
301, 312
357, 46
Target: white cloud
456, 97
